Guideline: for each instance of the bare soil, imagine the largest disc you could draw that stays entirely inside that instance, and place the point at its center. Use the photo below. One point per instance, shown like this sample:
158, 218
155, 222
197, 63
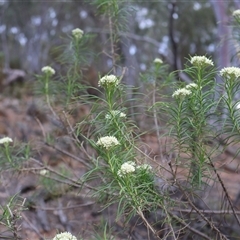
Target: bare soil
50, 208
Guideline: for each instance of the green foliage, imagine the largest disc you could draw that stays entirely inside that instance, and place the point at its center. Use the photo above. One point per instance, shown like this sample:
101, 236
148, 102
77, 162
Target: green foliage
10, 215
119, 171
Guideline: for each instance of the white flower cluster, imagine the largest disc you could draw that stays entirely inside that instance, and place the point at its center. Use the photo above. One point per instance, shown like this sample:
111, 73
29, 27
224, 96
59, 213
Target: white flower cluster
108, 80
236, 13
191, 85
158, 61
115, 113
127, 167
64, 236
5, 140
48, 70
44, 172
182, 92
238, 105
77, 33
145, 166
108, 142
201, 61
230, 72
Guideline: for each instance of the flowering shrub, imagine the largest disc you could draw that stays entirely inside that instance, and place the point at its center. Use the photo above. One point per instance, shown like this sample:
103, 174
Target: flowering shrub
190, 123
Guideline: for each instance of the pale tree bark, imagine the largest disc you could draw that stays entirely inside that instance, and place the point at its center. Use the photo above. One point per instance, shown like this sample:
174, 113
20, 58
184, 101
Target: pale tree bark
4, 37
235, 39
237, 4
131, 76
130, 59
223, 33
222, 57
37, 46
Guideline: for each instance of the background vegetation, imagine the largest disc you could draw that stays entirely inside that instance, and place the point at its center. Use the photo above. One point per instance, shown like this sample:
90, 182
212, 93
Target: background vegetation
113, 126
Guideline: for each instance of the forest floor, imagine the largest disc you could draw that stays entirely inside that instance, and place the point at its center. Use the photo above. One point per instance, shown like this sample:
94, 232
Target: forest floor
50, 208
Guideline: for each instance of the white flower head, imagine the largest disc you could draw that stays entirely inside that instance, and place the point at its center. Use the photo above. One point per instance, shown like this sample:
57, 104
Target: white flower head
48, 70
126, 168
201, 61
108, 142
64, 236
182, 92
5, 140
237, 105
115, 113
158, 61
108, 80
230, 72
77, 33
44, 172
191, 86
236, 13
145, 166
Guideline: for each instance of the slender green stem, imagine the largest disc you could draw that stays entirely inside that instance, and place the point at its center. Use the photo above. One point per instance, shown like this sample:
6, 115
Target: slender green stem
46, 91
7, 152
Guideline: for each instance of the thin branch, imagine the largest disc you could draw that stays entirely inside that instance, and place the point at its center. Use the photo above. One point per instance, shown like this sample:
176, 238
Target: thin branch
181, 221
149, 40
156, 119
68, 154
112, 42
140, 213
202, 215
195, 208
225, 190
32, 227
70, 182
64, 208
205, 211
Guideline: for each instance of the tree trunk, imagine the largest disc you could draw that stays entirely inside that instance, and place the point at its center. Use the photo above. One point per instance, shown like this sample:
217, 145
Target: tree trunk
223, 32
